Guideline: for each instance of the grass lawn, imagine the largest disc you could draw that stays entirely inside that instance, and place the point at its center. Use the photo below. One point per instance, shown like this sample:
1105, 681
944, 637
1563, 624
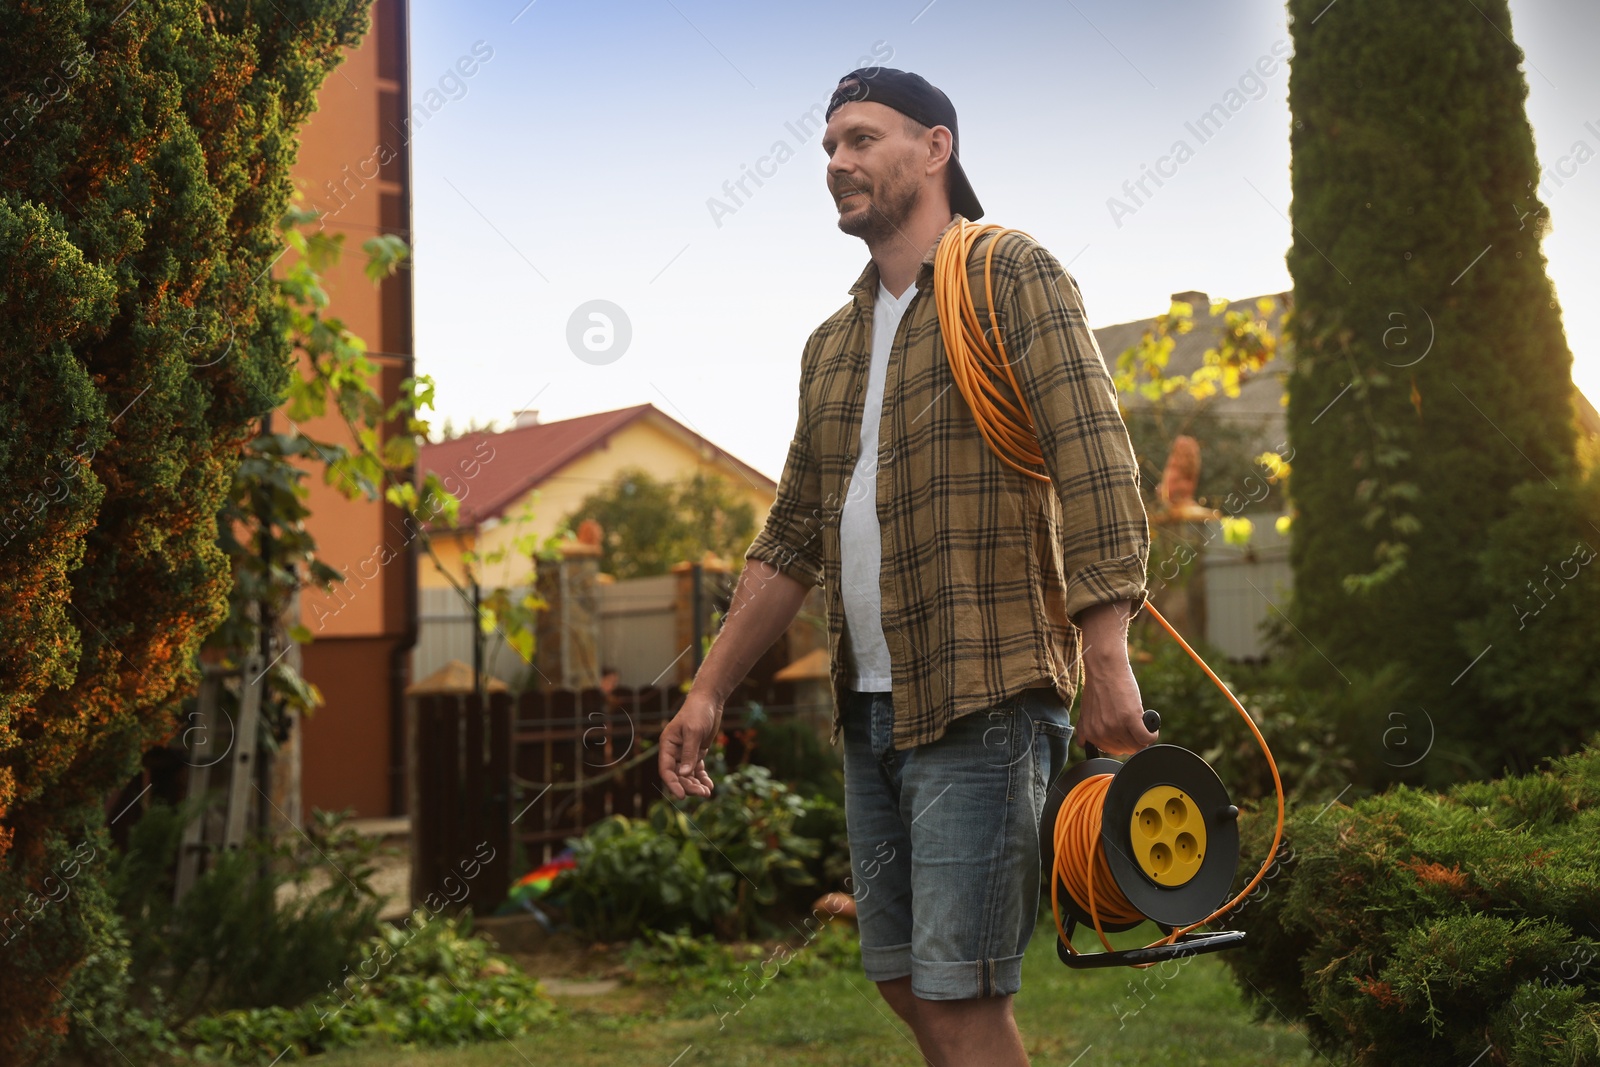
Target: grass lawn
1193, 1015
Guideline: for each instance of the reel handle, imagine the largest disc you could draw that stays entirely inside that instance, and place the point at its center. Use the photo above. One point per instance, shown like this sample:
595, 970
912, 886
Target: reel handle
1152, 724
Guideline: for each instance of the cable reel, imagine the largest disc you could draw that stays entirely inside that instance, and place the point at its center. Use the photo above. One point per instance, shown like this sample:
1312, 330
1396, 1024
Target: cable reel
1153, 839
1165, 839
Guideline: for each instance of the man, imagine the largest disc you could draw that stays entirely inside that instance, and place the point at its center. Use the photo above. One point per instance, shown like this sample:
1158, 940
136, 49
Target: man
963, 597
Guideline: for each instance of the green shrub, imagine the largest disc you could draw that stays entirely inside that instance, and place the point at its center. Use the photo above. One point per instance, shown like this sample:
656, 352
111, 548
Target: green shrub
1418, 928
637, 874
708, 866
789, 747
152, 965
432, 984
824, 821
103, 1026
139, 211
749, 823
1540, 575
235, 941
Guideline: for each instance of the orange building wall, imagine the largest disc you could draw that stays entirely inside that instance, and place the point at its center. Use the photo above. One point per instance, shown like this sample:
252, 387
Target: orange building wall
354, 167
343, 745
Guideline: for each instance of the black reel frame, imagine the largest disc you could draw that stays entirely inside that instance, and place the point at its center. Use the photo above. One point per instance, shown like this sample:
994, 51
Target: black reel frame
1167, 906
1187, 945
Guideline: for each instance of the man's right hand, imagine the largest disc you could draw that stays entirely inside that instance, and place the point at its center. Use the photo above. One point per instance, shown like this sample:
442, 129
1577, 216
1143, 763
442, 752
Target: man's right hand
684, 744
765, 602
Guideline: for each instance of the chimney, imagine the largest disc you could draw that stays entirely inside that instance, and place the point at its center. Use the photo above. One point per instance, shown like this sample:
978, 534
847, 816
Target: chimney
1200, 301
525, 417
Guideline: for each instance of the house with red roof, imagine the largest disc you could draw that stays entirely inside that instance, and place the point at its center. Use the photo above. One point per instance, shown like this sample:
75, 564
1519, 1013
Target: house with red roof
526, 479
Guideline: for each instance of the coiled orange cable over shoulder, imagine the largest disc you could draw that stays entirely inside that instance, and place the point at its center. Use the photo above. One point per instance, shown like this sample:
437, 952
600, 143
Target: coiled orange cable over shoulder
977, 353
982, 369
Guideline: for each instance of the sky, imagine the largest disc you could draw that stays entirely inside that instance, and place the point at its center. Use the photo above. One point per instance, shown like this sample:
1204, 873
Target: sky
595, 154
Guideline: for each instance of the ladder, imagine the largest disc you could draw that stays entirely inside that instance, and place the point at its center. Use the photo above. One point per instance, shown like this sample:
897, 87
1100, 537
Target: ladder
232, 750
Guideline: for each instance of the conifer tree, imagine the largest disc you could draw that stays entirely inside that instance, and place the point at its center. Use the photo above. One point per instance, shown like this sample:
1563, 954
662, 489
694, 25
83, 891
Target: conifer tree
145, 152
1432, 376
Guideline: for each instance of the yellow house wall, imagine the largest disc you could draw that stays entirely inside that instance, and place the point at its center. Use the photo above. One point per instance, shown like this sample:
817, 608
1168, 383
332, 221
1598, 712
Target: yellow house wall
447, 546
645, 444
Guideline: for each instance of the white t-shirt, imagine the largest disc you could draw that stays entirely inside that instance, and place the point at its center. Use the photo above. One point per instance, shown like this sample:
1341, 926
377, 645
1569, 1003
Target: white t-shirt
860, 541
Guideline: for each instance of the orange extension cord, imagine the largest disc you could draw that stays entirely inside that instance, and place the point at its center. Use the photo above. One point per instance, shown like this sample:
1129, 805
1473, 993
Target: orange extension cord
982, 371
1006, 426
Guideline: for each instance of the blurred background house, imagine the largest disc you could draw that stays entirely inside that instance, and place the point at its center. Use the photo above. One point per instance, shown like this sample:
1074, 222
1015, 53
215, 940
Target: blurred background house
551, 467
355, 168
1225, 599
525, 481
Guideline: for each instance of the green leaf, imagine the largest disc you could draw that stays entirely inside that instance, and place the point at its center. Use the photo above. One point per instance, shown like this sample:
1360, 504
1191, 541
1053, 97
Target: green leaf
385, 253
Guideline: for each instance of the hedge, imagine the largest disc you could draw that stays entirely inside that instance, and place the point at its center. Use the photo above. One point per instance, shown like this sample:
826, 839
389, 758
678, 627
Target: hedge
1415, 927
146, 161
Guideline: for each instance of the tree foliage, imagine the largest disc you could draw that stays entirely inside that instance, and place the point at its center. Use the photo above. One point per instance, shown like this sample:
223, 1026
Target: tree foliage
1245, 344
1431, 374
1540, 576
1236, 475
651, 524
262, 528
146, 166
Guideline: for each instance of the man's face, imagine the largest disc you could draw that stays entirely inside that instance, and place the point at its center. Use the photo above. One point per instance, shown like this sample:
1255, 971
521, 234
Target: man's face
873, 168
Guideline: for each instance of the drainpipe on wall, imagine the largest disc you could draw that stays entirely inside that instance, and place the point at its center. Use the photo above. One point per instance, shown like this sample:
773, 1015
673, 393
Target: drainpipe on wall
399, 675
399, 667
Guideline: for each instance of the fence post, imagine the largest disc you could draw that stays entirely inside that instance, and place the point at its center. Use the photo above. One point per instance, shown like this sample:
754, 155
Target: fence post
497, 871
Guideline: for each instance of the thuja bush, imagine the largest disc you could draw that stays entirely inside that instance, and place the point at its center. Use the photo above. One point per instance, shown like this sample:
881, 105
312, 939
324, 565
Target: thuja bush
1431, 375
146, 161
1414, 927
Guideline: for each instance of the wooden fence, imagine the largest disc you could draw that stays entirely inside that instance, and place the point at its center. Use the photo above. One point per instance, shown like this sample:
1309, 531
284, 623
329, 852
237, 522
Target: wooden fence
501, 784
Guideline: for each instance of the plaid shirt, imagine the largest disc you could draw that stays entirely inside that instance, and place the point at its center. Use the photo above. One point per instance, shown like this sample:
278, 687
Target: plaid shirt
982, 567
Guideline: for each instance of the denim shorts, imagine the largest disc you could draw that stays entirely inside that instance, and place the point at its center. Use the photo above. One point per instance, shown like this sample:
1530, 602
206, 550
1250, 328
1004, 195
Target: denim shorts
944, 841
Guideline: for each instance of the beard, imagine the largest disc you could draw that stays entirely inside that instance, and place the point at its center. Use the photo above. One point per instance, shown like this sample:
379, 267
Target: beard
889, 206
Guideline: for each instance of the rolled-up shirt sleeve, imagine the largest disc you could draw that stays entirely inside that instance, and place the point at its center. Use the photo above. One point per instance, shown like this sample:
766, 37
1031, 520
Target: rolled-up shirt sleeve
1105, 537
791, 539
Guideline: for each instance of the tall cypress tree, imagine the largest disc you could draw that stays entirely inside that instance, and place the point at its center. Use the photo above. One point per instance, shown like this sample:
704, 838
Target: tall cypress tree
1432, 375
144, 168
